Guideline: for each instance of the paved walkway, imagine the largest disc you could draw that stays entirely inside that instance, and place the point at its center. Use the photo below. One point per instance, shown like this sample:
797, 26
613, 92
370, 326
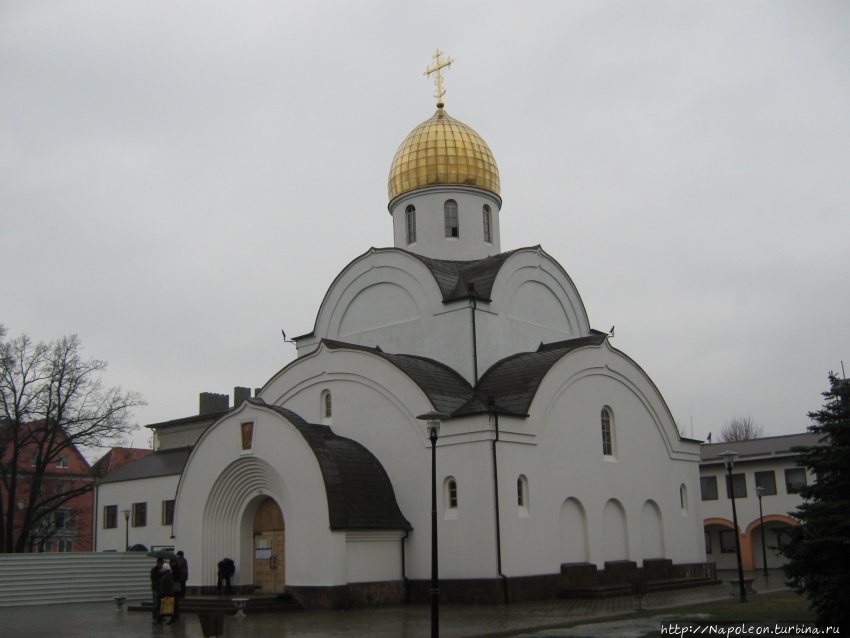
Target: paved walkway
408, 621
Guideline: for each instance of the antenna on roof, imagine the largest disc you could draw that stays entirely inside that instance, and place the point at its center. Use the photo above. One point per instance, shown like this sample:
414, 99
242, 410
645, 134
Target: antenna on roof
285, 340
611, 331
842, 369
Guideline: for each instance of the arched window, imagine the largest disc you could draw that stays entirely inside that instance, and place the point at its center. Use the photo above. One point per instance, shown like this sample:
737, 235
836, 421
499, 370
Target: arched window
522, 495
410, 220
488, 232
452, 229
326, 405
607, 433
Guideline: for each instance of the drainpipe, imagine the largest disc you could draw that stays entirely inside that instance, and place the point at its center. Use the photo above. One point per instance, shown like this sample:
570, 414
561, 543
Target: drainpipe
492, 405
404, 569
471, 289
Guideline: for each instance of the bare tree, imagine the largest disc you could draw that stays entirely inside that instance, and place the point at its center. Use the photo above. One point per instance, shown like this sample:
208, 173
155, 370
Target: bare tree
52, 401
741, 428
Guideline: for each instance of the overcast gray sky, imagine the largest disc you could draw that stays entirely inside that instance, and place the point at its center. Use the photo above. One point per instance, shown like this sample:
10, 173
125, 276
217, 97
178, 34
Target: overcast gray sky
181, 180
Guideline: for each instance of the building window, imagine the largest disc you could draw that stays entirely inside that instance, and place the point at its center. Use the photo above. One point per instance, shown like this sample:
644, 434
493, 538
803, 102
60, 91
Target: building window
327, 404
452, 489
488, 220
708, 488
607, 433
110, 516
683, 497
450, 208
727, 541
410, 220
140, 514
65, 546
795, 480
167, 512
707, 542
63, 519
739, 483
59, 489
62, 460
767, 480
36, 459
522, 495
45, 547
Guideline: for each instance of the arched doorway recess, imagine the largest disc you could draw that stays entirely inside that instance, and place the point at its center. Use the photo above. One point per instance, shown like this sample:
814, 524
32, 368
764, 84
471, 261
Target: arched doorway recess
269, 548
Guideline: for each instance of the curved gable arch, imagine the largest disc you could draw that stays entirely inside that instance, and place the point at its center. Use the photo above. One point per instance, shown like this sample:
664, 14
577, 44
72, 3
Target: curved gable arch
603, 361
381, 289
532, 289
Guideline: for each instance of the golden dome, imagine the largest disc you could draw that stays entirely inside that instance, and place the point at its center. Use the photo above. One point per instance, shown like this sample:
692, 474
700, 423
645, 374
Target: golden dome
442, 150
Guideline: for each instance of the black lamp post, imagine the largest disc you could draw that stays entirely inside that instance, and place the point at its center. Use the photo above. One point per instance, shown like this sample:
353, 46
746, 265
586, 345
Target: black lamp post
432, 422
126, 514
759, 492
729, 460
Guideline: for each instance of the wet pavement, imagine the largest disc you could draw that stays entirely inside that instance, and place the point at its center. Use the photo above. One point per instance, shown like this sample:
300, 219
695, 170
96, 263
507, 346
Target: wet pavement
537, 620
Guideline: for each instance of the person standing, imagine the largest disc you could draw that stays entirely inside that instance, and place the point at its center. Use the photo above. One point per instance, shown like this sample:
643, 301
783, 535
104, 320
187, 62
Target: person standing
156, 576
166, 589
183, 570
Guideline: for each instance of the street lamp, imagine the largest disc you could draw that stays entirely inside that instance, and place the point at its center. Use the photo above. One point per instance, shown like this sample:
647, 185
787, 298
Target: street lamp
759, 492
432, 423
729, 460
126, 514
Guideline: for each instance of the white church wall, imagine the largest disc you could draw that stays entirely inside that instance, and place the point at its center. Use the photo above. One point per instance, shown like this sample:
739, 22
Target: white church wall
123, 494
467, 532
534, 302
388, 298
372, 556
376, 405
569, 476
220, 490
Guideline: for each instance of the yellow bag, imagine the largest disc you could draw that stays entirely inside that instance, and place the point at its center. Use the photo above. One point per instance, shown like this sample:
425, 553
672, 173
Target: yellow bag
166, 606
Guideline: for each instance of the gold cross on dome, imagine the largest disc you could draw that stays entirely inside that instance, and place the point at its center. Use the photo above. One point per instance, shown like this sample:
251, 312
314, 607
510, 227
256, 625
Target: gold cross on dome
439, 64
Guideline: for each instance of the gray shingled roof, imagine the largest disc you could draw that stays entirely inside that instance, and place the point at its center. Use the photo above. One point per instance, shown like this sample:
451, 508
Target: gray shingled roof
454, 277
159, 463
512, 382
769, 446
445, 388
359, 492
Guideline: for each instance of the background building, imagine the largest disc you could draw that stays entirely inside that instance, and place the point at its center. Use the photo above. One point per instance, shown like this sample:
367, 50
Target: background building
766, 462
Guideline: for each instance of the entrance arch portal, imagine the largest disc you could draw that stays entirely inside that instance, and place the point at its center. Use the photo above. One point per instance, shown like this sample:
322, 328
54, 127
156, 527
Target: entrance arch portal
269, 548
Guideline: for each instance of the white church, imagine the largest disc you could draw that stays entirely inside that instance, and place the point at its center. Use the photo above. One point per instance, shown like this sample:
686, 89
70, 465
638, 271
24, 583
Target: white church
558, 462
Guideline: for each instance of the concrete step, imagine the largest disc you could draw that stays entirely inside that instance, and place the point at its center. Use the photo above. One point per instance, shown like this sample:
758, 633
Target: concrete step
256, 604
628, 589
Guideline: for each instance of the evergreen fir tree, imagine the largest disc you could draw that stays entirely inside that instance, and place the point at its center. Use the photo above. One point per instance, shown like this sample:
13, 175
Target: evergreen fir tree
818, 550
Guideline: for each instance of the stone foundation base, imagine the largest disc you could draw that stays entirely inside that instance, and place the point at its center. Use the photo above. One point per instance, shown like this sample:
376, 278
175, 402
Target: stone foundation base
489, 591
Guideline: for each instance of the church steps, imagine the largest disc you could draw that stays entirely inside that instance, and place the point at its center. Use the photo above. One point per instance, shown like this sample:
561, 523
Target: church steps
256, 604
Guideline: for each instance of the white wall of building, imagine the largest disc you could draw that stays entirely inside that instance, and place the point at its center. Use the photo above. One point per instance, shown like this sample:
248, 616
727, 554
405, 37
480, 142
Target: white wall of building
123, 494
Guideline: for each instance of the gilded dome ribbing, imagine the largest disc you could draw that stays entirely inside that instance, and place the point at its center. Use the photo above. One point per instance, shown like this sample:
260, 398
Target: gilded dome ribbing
443, 151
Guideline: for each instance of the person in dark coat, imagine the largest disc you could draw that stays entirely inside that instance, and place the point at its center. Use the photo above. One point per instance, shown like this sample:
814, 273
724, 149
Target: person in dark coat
226, 569
156, 576
182, 574
166, 588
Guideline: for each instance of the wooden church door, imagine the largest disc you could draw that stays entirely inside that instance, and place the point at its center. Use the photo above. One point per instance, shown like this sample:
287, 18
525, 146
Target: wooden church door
269, 548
